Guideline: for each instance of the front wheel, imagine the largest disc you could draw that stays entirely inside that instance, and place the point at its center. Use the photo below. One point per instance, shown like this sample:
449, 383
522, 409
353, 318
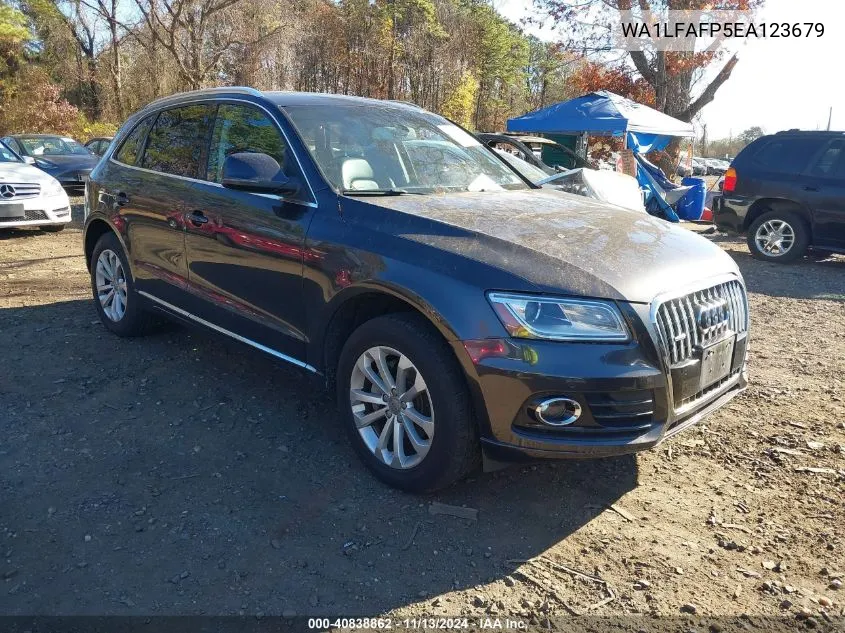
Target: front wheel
406, 405
779, 236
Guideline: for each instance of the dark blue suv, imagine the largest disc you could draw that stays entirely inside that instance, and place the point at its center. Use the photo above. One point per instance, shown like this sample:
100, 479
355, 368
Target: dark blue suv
786, 192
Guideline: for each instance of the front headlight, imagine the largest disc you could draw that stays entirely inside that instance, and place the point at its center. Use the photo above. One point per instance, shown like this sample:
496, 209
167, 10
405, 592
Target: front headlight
54, 188
559, 319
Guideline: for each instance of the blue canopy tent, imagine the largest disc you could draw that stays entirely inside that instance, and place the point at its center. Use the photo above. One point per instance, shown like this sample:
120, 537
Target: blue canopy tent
605, 113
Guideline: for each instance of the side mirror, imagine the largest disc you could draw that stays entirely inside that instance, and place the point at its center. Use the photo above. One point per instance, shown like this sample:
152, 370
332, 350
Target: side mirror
29, 160
257, 172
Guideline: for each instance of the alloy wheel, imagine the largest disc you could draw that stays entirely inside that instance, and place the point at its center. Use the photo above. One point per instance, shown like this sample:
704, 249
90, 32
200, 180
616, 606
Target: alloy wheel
392, 407
110, 279
774, 238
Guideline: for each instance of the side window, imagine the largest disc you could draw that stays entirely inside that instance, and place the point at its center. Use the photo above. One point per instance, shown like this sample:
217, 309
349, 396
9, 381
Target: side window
177, 140
786, 155
131, 147
831, 157
13, 144
239, 128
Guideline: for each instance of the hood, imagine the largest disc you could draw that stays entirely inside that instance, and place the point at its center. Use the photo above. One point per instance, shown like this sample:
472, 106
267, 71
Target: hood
566, 243
71, 161
21, 172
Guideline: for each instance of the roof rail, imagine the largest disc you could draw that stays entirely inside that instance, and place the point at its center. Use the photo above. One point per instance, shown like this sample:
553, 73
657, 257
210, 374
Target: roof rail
207, 91
407, 103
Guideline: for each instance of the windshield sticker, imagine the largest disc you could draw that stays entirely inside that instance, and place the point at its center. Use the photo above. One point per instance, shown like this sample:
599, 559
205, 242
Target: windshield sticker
458, 135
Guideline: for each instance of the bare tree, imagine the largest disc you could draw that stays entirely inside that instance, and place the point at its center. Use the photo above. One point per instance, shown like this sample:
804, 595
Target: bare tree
83, 26
196, 34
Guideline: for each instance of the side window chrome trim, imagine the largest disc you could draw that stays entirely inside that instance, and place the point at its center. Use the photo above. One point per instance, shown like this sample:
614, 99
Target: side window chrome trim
237, 337
217, 100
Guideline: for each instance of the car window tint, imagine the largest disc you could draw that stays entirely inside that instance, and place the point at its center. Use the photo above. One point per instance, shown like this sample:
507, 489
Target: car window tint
239, 128
131, 147
829, 160
176, 141
786, 155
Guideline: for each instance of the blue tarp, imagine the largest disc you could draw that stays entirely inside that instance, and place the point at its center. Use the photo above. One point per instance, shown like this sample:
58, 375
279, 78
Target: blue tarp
604, 112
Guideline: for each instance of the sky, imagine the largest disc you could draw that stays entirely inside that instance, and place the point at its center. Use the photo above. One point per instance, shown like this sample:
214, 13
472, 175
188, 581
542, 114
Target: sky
778, 84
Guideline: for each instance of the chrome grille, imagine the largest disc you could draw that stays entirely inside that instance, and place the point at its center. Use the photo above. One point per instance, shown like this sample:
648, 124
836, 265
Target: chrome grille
22, 190
701, 318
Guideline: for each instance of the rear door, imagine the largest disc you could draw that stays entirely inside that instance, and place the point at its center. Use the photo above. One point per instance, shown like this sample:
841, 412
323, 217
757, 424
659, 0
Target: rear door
245, 250
824, 190
155, 195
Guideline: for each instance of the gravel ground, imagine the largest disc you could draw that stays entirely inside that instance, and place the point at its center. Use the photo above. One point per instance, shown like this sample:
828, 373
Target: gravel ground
182, 474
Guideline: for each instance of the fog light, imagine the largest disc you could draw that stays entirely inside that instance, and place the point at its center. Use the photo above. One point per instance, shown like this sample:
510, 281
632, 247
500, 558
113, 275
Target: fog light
558, 411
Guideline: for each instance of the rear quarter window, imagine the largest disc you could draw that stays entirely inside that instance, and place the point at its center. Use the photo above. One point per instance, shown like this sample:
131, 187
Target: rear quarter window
786, 155
130, 149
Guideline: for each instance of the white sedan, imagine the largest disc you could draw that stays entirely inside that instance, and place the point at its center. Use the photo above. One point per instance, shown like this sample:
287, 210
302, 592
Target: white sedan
30, 197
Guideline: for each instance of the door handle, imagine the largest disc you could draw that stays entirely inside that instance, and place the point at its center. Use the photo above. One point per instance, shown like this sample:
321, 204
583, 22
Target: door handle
809, 188
121, 199
197, 218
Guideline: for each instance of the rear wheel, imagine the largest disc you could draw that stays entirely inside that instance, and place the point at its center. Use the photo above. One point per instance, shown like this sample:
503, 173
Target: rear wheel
406, 405
115, 298
780, 236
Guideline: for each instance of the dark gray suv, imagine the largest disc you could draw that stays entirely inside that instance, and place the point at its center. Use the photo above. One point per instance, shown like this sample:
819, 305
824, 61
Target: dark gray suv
456, 310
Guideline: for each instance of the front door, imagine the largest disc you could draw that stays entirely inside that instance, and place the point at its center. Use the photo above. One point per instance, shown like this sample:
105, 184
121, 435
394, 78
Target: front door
245, 250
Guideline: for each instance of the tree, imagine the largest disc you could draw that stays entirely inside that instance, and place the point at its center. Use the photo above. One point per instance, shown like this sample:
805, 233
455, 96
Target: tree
13, 34
459, 105
82, 25
192, 31
751, 134
592, 76
672, 75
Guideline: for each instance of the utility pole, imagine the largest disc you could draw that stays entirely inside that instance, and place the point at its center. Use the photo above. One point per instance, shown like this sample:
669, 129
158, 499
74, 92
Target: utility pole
704, 139
829, 117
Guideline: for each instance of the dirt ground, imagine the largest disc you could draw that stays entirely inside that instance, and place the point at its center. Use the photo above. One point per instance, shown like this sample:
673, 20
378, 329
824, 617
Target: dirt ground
182, 474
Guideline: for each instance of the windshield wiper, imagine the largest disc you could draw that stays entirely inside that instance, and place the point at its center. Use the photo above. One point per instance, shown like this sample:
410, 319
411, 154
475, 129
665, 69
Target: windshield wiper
378, 192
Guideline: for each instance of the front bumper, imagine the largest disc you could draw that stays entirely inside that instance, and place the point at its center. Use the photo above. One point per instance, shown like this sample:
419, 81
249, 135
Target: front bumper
74, 179
70, 178
39, 211
625, 393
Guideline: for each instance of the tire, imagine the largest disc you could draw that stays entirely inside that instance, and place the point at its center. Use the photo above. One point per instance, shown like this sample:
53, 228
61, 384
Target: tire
787, 225
52, 228
131, 320
453, 448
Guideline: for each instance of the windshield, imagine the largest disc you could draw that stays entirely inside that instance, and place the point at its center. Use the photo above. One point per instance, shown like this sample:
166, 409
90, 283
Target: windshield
393, 149
7, 155
51, 146
534, 174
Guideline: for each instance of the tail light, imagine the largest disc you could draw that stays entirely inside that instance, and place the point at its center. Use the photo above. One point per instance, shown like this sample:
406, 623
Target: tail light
730, 181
